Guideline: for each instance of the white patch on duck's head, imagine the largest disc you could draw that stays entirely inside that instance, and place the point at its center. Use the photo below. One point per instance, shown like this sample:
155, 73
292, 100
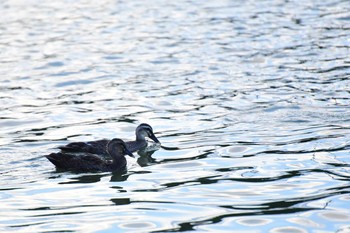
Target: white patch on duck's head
145, 130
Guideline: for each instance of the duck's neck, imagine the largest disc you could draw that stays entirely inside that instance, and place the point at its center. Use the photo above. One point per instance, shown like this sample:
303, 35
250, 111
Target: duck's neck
119, 161
136, 145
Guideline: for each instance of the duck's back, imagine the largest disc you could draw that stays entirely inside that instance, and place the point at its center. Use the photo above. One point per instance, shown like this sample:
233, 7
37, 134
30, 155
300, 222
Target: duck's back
92, 147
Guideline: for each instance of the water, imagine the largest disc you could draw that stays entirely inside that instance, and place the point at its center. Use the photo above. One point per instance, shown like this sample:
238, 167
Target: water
250, 100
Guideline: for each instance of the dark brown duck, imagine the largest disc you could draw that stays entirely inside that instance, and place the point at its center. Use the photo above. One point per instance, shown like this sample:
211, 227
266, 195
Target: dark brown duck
116, 148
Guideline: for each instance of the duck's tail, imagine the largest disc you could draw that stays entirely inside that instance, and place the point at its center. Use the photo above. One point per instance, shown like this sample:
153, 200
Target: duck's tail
60, 160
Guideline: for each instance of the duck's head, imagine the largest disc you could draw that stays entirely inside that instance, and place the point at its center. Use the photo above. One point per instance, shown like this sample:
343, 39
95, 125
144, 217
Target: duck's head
117, 147
145, 130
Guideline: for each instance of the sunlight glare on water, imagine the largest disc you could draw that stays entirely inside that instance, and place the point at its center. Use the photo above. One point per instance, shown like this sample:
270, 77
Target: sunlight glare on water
250, 100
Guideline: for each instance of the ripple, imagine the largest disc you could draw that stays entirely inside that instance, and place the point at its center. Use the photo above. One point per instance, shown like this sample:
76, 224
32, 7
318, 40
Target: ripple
335, 216
289, 229
253, 222
305, 222
137, 226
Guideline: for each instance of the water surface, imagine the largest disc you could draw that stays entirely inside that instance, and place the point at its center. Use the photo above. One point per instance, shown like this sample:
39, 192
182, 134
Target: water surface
250, 100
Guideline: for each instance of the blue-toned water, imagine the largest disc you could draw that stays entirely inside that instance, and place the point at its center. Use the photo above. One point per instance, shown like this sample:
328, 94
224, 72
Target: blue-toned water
250, 99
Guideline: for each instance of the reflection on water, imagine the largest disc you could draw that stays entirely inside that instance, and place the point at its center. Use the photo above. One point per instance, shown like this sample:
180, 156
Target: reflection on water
250, 100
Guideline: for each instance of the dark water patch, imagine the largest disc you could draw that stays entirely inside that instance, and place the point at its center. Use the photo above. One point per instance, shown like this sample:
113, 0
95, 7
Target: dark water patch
28, 225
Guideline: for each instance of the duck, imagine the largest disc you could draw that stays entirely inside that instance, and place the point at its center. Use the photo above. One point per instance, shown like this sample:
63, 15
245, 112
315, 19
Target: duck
99, 147
87, 162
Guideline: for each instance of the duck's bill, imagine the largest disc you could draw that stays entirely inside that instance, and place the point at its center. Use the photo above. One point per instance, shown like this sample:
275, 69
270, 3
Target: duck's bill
129, 153
153, 137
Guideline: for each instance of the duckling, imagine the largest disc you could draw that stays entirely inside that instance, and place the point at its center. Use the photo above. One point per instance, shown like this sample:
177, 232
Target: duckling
116, 148
99, 147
